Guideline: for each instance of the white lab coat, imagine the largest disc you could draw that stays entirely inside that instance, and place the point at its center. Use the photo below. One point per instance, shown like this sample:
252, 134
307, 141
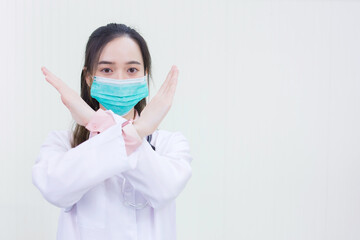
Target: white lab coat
86, 183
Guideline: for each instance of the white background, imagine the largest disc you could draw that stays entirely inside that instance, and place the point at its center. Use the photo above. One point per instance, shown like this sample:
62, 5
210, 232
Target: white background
268, 97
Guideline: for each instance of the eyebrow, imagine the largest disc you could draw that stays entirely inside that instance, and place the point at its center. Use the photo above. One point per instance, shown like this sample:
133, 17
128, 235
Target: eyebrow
105, 62
111, 63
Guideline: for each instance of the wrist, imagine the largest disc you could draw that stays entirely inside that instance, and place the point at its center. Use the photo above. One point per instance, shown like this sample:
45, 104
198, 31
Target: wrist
139, 129
89, 116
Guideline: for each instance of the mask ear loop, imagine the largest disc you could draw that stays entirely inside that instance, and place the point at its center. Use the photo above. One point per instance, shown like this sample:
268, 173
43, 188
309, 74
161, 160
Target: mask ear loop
137, 206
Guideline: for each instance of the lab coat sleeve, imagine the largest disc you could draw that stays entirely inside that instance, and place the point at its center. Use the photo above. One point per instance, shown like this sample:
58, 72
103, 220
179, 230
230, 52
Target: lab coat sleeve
64, 174
161, 177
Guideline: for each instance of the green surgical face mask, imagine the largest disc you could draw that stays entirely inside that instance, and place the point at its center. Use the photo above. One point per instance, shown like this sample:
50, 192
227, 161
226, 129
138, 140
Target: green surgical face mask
119, 96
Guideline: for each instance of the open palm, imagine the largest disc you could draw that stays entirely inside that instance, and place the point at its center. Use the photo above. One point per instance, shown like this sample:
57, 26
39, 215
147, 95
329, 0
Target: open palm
156, 110
80, 110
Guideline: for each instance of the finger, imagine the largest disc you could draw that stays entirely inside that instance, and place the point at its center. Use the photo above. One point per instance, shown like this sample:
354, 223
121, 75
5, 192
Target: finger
52, 79
170, 89
45, 71
50, 75
174, 82
168, 77
56, 84
166, 82
170, 93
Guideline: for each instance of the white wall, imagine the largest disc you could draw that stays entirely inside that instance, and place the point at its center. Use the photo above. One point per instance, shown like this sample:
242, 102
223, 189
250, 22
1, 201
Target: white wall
268, 97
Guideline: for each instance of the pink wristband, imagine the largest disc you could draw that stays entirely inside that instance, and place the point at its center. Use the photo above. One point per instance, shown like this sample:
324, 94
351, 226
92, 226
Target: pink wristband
131, 137
100, 122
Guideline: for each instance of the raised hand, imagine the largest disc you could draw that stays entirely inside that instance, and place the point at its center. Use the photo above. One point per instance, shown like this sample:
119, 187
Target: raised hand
156, 110
80, 110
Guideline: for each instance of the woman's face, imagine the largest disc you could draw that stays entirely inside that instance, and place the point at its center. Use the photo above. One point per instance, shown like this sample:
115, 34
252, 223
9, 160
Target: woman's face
120, 59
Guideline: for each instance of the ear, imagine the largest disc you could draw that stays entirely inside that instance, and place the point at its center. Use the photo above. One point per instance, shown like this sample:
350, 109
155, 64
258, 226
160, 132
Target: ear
87, 76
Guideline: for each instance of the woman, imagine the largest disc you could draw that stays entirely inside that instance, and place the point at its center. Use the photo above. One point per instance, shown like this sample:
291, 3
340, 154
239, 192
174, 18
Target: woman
114, 176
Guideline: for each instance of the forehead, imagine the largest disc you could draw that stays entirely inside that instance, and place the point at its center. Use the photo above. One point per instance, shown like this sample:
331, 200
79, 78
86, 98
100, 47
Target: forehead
121, 50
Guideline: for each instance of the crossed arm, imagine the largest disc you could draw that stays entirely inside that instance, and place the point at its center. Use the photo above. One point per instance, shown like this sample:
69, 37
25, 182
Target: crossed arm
59, 171
146, 124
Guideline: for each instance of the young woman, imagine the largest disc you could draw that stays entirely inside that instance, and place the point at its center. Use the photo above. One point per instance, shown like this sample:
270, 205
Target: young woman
115, 176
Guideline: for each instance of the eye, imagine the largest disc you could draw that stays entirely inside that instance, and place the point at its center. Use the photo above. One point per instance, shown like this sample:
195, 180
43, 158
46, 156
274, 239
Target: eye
132, 70
106, 69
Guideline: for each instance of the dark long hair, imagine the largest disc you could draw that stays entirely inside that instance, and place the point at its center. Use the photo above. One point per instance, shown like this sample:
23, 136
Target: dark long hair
96, 43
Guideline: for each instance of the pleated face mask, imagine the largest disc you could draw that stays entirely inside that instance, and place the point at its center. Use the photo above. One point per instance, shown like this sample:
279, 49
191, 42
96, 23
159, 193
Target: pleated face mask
119, 96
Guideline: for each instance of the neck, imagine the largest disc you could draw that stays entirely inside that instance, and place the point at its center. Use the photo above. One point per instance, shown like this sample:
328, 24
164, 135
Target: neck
128, 116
